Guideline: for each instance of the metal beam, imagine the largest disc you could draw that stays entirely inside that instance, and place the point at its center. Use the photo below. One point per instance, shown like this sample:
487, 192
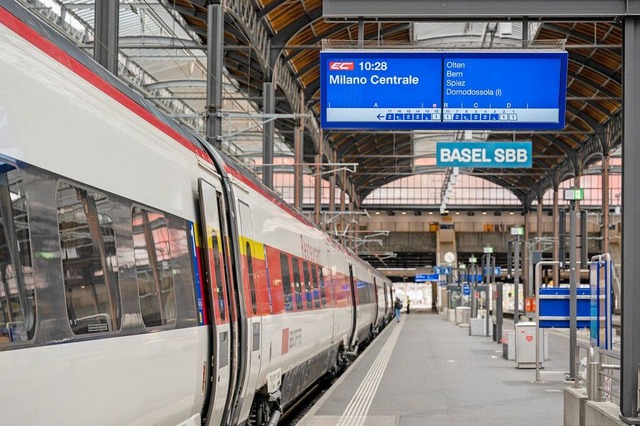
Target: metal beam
106, 34
630, 349
415, 10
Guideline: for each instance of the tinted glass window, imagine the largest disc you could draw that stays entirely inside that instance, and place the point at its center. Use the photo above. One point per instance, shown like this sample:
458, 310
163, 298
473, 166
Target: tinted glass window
316, 290
308, 295
286, 281
17, 303
89, 262
218, 272
296, 282
323, 291
153, 268
252, 284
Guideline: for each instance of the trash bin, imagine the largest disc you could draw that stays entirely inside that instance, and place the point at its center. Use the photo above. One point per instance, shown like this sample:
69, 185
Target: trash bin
526, 342
462, 314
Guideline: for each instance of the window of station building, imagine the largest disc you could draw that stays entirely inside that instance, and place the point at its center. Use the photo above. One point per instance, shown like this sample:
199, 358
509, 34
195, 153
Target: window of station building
316, 290
296, 282
89, 260
308, 295
252, 284
17, 296
286, 281
151, 248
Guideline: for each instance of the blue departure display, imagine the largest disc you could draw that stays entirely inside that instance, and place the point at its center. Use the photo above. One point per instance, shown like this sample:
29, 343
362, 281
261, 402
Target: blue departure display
443, 90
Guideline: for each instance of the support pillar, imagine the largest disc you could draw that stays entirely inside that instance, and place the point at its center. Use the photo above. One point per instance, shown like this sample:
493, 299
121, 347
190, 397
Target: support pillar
105, 45
525, 256
556, 236
605, 204
630, 349
332, 184
268, 129
215, 63
318, 189
298, 186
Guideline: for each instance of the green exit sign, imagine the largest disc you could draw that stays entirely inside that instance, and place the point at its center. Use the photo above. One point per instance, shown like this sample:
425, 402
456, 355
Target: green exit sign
574, 194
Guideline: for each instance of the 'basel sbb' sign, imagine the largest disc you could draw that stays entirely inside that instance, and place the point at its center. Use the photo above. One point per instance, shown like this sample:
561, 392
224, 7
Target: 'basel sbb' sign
457, 90
484, 154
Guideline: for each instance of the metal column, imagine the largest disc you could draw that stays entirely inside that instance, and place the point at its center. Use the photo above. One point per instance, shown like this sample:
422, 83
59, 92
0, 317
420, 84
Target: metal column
525, 256
215, 63
556, 236
516, 281
332, 184
268, 129
573, 291
584, 241
105, 45
297, 170
605, 204
630, 349
318, 191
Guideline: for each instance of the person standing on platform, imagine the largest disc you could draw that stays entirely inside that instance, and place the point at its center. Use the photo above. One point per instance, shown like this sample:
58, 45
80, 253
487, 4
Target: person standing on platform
408, 305
397, 305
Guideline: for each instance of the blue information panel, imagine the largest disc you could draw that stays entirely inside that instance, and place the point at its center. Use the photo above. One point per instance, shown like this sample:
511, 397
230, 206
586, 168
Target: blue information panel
484, 154
443, 90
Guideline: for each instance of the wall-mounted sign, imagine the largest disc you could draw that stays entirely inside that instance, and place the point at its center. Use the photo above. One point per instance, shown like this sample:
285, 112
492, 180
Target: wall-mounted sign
523, 90
484, 154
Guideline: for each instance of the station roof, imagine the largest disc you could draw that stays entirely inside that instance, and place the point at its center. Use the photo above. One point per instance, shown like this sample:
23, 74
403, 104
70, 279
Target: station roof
280, 40
296, 30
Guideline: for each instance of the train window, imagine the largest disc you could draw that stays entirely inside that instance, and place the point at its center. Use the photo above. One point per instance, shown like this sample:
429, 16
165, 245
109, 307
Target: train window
316, 290
218, 265
152, 254
308, 295
17, 303
89, 260
323, 290
252, 284
296, 282
286, 281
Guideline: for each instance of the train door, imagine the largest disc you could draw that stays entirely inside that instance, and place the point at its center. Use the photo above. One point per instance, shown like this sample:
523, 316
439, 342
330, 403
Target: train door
253, 318
355, 308
219, 295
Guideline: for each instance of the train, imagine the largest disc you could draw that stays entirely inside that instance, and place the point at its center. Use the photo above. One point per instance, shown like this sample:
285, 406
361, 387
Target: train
146, 278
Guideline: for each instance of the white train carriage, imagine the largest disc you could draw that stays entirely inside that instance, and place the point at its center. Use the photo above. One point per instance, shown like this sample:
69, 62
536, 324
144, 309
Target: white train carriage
145, 279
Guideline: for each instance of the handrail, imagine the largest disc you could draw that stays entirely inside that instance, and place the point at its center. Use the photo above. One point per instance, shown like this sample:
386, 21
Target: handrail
600, 380
609, 382
578, 378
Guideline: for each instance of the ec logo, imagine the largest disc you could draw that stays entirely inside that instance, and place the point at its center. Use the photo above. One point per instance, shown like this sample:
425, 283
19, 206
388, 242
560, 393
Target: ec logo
341, 66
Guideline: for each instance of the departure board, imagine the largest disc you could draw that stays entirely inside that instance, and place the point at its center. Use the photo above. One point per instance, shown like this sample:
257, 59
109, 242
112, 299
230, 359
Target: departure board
514, 90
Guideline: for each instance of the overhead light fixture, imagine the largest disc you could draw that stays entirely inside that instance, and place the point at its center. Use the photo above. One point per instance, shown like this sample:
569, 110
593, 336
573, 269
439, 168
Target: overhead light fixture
430, 212
377, 212
457, 212
471, 213
417, 213
404, 212
497, 213
391, 213
510, 213
484, 212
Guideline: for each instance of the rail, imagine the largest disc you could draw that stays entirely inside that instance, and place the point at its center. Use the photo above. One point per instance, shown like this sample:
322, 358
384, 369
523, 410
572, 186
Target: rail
600, 374
609, 376
581, 376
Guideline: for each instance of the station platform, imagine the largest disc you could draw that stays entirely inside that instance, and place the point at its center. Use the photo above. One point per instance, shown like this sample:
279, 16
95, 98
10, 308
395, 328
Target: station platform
428, 371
